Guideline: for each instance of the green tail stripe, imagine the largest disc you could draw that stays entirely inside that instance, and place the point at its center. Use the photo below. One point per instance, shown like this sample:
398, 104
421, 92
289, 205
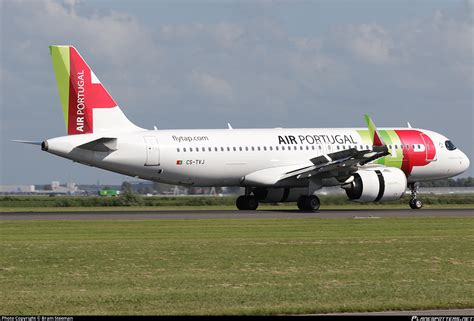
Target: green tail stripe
60, 56
390, 137
371, 126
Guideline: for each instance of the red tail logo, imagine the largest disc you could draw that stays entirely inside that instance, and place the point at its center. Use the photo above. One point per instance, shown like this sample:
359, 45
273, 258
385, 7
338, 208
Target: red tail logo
85, 93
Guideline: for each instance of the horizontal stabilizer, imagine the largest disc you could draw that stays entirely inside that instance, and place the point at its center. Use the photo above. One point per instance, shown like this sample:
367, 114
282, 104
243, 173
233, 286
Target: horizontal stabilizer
104, 144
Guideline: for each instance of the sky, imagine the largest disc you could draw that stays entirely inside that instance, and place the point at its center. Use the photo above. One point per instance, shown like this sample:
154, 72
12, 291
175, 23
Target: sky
202, 64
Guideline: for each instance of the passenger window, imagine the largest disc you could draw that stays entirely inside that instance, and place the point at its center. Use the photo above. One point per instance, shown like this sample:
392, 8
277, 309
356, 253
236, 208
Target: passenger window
301, 147
337, 147
312, 147
282, 147
228, 149
177, 149
265, 148
276, 148
246, 149
184, 149
240, 148
258, 148
253, 149
270, 147
307, 147
190, 149
210, 149
234, 148
408, 146
222, 149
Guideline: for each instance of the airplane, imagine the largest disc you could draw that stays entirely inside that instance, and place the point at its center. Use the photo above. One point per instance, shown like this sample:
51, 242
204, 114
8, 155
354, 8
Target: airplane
273, 165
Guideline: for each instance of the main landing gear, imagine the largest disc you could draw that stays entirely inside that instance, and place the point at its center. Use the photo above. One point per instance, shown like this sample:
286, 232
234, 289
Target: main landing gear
308, 203
415, 203
247, 201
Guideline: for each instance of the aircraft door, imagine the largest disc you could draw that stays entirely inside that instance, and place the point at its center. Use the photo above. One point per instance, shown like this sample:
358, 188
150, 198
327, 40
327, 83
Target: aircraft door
152, 151
429, 148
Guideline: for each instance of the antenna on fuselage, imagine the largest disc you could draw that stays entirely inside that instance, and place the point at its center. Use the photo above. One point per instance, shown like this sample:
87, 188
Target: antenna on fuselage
229, 125
408, 124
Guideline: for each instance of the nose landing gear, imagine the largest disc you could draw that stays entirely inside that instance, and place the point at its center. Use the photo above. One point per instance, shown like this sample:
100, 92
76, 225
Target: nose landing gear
415, 203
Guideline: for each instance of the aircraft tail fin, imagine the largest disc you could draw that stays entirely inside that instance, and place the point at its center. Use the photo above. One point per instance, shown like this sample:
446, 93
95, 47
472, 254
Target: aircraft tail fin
86, 104
374, 133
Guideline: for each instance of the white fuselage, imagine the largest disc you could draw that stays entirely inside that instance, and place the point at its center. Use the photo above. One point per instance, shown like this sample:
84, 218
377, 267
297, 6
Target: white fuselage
217, 157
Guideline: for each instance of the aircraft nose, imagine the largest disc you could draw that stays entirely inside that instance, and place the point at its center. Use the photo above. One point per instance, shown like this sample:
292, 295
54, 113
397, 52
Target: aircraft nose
465, 162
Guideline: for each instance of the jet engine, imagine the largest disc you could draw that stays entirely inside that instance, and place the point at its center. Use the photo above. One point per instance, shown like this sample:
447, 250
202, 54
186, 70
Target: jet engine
376, 185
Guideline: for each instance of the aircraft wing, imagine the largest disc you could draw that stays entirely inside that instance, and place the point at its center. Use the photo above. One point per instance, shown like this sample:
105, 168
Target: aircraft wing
337, 164
346, 160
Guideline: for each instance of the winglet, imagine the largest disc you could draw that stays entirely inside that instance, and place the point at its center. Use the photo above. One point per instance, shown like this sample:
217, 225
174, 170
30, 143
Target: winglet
374, 133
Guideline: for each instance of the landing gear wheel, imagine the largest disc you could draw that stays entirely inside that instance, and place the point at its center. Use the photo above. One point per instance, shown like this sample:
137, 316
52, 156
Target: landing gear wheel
313, 203
301, 202
240, 202
308, 203
416, 204
244, 202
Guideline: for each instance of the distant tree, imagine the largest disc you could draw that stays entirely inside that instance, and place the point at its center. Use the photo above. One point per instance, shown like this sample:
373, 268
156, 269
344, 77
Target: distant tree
129, 198
126, 187
450, 182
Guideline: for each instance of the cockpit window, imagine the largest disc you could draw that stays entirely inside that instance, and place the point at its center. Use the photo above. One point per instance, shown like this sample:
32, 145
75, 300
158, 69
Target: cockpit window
449, 145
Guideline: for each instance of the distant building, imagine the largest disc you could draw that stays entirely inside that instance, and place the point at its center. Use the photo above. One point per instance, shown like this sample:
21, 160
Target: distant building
17, 189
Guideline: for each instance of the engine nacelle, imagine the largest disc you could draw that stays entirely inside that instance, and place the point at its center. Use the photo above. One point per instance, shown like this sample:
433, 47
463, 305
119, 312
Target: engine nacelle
377, 185
278, 195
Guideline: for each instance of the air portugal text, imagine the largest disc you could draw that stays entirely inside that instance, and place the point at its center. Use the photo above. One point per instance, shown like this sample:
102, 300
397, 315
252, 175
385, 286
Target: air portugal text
316, 139
80, 104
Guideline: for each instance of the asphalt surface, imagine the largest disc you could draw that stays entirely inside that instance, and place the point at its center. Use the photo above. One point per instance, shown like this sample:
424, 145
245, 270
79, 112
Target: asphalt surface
216, 214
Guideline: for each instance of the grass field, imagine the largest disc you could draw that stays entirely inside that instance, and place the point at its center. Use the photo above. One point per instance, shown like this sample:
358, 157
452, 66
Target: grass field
235, 266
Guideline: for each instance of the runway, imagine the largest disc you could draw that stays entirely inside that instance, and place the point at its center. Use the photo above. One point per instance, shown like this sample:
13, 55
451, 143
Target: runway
231, 214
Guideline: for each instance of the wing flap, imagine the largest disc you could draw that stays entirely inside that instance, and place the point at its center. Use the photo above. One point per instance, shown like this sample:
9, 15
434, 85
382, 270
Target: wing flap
337, 161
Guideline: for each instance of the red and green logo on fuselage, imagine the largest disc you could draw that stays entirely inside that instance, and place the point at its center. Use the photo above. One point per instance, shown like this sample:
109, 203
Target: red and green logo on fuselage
408, 148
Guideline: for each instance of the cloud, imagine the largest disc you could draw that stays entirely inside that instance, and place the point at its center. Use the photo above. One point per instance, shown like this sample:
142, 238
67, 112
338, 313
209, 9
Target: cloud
176, 74
210, 85
369, 43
